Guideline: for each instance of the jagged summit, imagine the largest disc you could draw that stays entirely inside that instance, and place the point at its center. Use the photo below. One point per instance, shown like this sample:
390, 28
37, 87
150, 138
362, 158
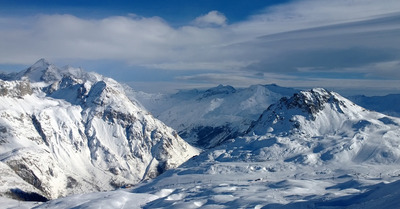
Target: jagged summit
41, 63
44, 71
313, 101
41, 71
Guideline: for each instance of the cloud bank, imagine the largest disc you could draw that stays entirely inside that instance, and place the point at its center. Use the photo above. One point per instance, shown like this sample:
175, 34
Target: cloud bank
309, 39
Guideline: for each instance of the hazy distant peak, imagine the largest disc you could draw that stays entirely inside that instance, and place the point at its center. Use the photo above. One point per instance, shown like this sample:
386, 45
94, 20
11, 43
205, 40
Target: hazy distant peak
220, 89
41, 62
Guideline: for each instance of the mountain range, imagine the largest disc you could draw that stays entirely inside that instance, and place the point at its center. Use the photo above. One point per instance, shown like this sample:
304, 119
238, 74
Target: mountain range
315, 149
65, 131
207, 118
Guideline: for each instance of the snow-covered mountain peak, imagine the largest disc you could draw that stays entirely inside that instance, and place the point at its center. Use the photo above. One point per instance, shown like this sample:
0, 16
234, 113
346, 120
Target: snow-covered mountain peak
316, 111
41, 71
77, 131
108, 97
311, 101
41, 63
45, 72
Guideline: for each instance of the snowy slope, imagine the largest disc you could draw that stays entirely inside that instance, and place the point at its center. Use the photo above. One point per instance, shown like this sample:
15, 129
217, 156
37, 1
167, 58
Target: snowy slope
206, 118
313, 150
65, 131
383, 104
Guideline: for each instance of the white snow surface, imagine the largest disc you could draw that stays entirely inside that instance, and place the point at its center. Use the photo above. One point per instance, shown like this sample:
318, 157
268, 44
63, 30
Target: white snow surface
313, 150
65, 131
206, 118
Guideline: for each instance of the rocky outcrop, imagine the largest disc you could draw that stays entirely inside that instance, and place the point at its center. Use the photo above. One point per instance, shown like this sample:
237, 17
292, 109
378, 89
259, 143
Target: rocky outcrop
15, 88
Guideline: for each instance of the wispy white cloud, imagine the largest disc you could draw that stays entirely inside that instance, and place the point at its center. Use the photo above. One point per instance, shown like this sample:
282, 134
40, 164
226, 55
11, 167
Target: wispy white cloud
240, 79
212, 18
322, 36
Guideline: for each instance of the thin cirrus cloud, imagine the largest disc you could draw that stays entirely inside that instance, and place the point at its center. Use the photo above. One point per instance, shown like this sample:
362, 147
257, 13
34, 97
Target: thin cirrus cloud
309, 40
341, 47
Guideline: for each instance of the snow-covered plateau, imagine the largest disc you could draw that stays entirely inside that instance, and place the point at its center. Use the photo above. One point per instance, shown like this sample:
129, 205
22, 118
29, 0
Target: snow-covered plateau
292, 149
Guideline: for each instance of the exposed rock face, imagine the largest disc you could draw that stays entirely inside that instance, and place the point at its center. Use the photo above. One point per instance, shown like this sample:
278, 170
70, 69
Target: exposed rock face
15, 88
311, 101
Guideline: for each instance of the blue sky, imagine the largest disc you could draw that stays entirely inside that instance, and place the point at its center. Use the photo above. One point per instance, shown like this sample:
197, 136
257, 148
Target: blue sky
350, 46
175, 12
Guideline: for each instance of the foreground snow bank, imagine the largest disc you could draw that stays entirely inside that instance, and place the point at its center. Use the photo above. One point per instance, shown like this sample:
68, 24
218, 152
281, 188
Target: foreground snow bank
116, 199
